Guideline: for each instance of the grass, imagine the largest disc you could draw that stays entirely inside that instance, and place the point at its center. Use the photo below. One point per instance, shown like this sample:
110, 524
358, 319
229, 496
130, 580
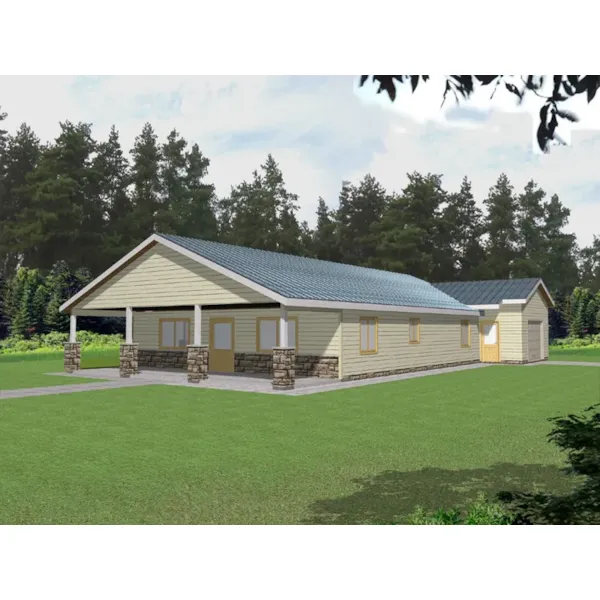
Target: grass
368, 454
28, 370
583, 354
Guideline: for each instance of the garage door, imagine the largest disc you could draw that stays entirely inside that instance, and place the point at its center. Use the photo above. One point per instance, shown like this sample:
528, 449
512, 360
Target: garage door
535, 340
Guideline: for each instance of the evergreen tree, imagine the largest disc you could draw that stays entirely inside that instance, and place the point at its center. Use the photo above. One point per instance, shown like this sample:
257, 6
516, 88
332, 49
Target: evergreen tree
558, 317
261, 214
361, 207
146, 180
197, 215
530, 247
501, 228
39, 305
580, 318
172, 175
112, 169
589, 265
65, 217
3, 315
465, 222
324, 242
413, 237
61, 285
19, 156
24, 320
558, 264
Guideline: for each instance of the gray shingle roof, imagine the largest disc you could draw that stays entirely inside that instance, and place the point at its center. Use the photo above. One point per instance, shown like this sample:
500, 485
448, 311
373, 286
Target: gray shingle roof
312, 279
488, 292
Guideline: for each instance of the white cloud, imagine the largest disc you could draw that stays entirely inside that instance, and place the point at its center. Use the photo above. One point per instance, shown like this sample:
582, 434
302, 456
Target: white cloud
322, 134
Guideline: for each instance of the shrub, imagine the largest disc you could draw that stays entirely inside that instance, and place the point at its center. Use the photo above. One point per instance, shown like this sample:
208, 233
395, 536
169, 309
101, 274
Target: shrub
481, 512
579, 437
54, 341
573, 342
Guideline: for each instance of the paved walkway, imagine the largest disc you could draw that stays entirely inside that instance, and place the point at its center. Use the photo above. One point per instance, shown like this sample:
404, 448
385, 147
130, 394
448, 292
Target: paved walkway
67, 389
242, 383
569, 363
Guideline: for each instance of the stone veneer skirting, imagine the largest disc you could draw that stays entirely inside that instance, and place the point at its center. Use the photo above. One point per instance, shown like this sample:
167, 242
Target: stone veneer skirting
325, 367
407, 370
163, 359
245, 362
128, 360
522, 362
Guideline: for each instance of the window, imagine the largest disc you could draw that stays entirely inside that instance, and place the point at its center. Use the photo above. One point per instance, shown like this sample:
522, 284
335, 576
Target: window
267, 333
414, 331
173, 333
368, 335
465, 334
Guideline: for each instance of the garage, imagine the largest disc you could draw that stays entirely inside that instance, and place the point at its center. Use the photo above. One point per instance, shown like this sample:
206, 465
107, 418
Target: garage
535, 340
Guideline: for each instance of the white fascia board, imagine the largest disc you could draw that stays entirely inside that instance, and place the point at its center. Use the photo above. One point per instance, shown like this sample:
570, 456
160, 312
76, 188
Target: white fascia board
543, 286
103, 276
222, 270
518, 301
193, 256
485, 306
301, 303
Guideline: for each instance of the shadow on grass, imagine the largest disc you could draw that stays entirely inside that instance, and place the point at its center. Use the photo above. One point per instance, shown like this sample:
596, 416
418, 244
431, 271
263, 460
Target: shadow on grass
392, 496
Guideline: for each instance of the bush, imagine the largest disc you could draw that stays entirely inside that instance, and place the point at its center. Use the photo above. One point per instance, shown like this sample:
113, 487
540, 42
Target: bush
52, 342
592, 341
579, 437
481, 512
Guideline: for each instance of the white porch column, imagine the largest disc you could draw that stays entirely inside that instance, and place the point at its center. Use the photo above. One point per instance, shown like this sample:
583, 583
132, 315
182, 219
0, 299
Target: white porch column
283, 328
129, 325
73, 329
197, 325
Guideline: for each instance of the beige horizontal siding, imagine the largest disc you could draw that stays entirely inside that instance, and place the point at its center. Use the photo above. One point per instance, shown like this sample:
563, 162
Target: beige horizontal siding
535, 310
439, 342
510, 320
318, 331
163, 277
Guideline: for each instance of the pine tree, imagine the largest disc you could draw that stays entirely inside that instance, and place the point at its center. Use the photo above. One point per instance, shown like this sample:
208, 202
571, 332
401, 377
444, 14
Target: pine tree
465, 223
324, 242
589, 265
112, 169
60, 285
413, 237
18, 158
173, 189
558, 264
146, 180
530, 246
361, 207
24, 320
197, 214
501, 229
64, 217
39, 305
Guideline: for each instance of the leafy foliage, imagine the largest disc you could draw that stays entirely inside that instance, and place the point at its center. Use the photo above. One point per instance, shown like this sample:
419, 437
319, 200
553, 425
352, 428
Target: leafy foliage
481, 512
463, 86
579, 437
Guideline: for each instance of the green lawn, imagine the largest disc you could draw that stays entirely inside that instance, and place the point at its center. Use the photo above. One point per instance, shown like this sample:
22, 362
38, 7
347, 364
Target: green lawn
362, 455
28, 370
575, 354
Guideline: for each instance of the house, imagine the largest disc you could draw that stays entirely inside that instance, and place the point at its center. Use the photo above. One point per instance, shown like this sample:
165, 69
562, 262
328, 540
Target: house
514, 317
208, 307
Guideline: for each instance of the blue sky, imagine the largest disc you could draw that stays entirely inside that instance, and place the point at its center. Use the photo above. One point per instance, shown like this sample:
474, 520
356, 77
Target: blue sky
322, 130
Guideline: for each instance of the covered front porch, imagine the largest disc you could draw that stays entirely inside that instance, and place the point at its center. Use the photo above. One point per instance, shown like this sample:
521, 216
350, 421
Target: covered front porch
202, 341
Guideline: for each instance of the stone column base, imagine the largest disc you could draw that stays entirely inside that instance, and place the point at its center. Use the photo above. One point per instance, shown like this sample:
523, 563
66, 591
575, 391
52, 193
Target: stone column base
72, 357
128, 360
197, 363
284, 362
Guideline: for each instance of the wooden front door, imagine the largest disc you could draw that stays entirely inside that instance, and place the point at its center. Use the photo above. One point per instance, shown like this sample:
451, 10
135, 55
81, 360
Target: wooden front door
490, 341
221, 345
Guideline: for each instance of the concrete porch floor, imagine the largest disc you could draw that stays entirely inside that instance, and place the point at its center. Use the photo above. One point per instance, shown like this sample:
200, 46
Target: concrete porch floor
239, 382
243, 382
